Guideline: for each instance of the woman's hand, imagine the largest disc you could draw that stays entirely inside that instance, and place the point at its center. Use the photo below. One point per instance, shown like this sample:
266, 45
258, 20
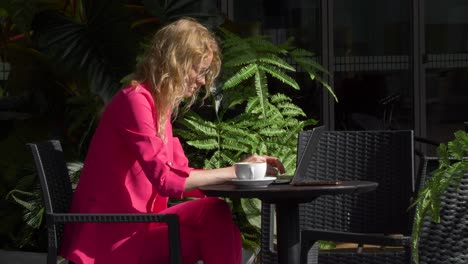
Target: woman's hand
273, 163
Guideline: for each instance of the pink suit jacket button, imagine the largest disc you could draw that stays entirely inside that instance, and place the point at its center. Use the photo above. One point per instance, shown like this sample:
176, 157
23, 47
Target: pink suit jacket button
170, 163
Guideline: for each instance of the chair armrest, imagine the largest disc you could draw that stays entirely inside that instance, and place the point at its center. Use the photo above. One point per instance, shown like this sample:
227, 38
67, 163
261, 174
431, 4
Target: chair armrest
172, 221
114, 218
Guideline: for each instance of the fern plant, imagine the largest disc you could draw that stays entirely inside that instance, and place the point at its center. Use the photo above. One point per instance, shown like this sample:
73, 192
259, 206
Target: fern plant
33, 210
246, 118
453, 164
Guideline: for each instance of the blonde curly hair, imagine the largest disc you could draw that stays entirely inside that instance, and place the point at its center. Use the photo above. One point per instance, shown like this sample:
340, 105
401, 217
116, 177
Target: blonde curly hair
174, 51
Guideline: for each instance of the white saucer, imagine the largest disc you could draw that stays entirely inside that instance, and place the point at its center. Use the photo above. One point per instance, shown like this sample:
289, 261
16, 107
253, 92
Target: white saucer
253, 183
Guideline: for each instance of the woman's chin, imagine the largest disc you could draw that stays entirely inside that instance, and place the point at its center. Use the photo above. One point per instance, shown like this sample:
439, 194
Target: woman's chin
190, 92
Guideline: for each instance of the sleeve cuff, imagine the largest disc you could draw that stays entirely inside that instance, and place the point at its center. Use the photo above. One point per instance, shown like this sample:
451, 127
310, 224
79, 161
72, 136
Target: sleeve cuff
175, 182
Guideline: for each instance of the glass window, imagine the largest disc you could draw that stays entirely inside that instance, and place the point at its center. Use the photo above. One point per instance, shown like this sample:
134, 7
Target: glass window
446, 102
372, 65
446, 67
369, 27
373, 100
281, 20
446, 26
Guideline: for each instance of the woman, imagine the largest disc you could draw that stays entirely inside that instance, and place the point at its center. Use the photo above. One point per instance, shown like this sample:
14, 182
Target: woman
134, 163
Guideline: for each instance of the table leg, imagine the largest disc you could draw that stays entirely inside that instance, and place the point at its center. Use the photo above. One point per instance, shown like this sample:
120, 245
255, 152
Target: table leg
288, 232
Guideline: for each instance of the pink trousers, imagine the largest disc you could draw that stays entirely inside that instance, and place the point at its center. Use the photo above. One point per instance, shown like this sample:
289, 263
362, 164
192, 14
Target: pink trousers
207, 233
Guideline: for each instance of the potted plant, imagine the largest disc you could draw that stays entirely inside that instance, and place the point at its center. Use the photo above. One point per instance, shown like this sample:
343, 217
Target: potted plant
453, 164
245, 117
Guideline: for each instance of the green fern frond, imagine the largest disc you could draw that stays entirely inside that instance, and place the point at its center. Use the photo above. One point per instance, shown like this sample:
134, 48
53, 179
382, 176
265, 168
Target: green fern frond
237, 131
229, 158
261, 89
274, 113
274, 117
267, 123
27, 202
276, 143
252, 104
293, 124
34, 218
310, 122
244, 59
289, 163
293, 112
325, 84
229, 129
279, 97
280, 75
242, 75
218, 160
277, 61
208, 144
310, 65
272, 132
281, 151
251, 206
260, 148
242, 124
185, 133
298, 52
200, 126
290, 109
263, 46
236, 145
241, 120
233, 99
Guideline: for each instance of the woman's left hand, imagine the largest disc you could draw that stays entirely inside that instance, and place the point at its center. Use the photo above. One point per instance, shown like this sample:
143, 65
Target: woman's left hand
274, 165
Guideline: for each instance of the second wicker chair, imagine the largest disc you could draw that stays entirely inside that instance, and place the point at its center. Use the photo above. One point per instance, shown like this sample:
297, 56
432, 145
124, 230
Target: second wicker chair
379, 218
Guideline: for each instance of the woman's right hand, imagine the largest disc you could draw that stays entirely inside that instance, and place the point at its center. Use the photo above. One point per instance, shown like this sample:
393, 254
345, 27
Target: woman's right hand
274, 165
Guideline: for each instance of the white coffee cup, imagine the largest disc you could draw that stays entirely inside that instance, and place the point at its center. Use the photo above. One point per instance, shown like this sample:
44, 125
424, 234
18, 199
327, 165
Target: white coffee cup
250, 170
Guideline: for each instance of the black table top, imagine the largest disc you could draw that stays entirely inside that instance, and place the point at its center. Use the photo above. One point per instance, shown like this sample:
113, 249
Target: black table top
281, 192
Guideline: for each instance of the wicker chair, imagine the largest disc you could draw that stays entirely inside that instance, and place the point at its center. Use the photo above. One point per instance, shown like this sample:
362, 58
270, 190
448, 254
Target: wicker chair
382, 156
57, 193
447, 241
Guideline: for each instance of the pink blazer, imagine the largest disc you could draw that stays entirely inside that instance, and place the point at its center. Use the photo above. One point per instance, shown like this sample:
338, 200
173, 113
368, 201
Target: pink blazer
128, 169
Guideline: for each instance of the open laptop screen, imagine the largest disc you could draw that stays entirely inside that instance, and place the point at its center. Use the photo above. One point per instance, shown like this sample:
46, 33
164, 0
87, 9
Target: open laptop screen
303, 158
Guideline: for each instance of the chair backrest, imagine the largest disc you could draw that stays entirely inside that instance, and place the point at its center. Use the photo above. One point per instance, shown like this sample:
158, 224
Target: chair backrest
447, 241
54, 179
385, 157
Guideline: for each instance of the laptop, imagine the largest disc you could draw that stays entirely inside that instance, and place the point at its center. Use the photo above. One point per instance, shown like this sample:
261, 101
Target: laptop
303, 161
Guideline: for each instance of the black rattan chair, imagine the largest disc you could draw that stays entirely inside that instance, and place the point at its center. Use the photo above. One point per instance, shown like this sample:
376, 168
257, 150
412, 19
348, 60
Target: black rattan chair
57, 194
382, 156
447, 241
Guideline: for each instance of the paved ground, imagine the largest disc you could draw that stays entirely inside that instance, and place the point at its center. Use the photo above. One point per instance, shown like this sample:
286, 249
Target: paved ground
18, 257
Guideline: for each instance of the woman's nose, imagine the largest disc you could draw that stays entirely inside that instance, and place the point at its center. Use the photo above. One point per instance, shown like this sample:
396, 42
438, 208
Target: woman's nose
201, 80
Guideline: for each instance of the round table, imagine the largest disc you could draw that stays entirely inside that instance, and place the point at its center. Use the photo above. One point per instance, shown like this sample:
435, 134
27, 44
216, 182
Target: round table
287, 197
